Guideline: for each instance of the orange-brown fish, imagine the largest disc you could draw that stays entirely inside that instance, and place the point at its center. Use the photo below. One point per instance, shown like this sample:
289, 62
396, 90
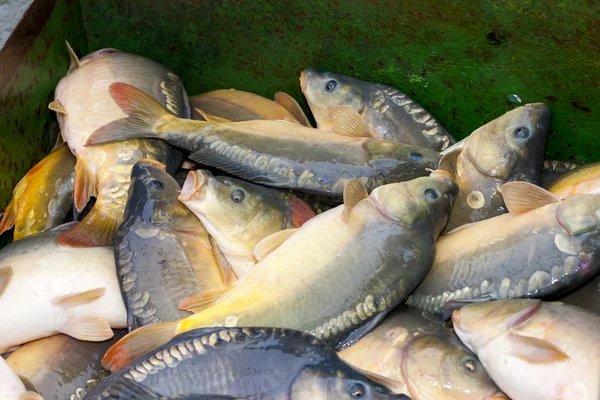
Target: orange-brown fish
43, 197
83, 104
238, 105
581, 180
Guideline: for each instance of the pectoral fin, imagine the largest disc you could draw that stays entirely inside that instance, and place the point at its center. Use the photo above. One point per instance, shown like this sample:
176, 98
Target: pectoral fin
271, 242
521, 197
201, 301
81, 298
227, 274
91, 329
6, 274
84, 185
292, 106
534, 350
347, 122
57, 106
354, 192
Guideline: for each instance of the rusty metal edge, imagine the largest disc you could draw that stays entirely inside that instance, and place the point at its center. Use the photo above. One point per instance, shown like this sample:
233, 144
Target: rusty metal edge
23, 37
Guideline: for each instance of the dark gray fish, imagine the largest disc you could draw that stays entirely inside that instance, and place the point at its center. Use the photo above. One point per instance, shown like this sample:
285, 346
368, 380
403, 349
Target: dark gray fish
388, 113
162, 251
273, 153
552, 169
60, 367
257, 363
587, 297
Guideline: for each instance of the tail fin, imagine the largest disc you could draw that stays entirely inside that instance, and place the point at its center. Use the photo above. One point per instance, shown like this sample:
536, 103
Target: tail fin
138, 343
143, 112
96, 229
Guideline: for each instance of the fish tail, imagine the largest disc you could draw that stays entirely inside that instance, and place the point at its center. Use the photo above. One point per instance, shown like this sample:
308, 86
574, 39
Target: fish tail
143, 113
138, 343
96, 229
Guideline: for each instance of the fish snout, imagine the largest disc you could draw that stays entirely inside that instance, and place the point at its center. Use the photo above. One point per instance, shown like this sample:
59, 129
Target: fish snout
194, 182
304, 77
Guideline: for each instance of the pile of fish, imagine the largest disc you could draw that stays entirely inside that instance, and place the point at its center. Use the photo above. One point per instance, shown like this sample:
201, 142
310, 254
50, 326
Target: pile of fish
221, 247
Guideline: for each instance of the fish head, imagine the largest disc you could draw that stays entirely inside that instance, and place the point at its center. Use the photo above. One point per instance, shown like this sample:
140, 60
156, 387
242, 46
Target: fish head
327, 382
579, 214
512, 147
420, 203
153, 195
442, 368
233, 211
324, 91
476, 324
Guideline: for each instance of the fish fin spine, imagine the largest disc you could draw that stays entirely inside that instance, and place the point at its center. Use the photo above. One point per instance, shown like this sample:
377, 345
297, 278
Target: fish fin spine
138, 343
347, 122
211, 118
6, 275
91, 329
267, 245
354, 192
292, 106
80, 298
96, 229
520, 197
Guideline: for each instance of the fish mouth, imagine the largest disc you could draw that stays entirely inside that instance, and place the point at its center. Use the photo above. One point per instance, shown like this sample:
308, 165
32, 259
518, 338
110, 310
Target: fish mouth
194, 182
304, 77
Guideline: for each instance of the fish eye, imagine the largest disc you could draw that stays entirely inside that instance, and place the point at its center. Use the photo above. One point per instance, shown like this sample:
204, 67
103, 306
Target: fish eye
238, 195
431, 194
470, 365
358, 390
522, 132
330, 85
415, 156
158, 185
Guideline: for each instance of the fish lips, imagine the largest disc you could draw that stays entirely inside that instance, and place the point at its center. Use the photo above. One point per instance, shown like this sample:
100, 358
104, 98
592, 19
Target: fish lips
194, 182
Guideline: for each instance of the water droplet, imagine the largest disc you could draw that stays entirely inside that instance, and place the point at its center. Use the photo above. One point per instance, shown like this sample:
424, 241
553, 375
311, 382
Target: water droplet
426, 84
513, 98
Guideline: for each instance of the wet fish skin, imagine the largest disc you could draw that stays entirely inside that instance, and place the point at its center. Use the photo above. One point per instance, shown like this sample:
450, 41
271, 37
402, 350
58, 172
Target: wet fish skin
60, 366
238, 105
396, 225
163, 252
508, 148
48, 288
268, 363
534, 254
422, 358
43, 197
83, 104
272, 153
583, 179
391, 114
239, 214
534, 350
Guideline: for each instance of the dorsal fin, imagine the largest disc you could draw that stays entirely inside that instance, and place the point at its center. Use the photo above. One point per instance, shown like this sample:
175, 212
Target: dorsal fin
292, 106
354, 191
57, 106
347, 122
74, 60
211, 118
521, 197
271, 242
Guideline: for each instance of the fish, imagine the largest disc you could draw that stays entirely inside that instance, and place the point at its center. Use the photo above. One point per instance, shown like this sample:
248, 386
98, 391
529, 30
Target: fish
239, 214
43, 197
60, 367
379, 247
383, 112
272, 153
257, 362
543, 247
534, 350
422, 358
508, 148
581, 180
238, 105
11, 387
163, 252
587, 296
82, 104
46, 288
552, 169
